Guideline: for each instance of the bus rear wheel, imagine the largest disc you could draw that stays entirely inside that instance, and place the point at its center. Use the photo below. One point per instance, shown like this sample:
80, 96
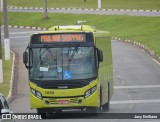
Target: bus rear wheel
106, 106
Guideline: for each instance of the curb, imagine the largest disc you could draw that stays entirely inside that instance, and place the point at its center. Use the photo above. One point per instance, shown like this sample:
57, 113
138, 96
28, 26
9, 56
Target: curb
84, 9
145, 48
27, 27
12, 78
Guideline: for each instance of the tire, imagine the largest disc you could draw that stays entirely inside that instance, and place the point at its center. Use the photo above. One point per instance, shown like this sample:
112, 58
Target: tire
42, 113
93, 110
106, 106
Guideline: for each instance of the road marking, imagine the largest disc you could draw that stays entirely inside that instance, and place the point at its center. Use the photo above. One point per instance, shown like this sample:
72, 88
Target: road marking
119, 76
114, 40
129, 96
19, 37
123, 82
24, 32
155, 61
133, 87
135, 101
151, 57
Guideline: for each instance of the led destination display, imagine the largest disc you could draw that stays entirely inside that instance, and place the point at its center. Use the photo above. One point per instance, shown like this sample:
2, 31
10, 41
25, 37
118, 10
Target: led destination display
62, 38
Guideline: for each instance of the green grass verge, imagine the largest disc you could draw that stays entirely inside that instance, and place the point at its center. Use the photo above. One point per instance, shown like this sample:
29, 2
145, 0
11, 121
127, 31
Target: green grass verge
141, 29
7, 68
107, 4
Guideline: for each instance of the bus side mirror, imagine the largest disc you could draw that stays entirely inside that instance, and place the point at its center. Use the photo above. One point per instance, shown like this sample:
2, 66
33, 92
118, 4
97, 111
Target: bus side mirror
25, 59
100, 55
5, 111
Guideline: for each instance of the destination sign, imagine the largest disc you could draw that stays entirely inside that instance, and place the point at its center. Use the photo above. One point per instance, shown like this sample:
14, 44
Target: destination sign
62, 38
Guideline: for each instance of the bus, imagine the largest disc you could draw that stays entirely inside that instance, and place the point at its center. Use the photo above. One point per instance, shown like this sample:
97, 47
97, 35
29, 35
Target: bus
70, 67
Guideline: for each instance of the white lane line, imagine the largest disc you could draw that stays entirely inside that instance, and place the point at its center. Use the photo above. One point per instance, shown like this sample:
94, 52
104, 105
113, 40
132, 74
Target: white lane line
155, 61
134, 87
135, 101
151, 57
119, 76
19, 37
123, 82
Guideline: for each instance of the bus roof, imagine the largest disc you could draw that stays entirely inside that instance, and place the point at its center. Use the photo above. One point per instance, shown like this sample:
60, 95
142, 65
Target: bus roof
72, 28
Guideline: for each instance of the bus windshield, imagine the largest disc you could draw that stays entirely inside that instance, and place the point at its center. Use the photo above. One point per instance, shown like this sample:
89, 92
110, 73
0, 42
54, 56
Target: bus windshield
68, 63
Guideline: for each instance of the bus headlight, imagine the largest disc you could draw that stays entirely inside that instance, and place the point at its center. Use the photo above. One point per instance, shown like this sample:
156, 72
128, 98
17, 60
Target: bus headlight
39, 95
33, 91
90, 91
36, 93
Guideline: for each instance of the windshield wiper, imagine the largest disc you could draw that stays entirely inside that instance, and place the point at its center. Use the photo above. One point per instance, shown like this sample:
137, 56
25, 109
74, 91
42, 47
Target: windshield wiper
73, 54
53, 56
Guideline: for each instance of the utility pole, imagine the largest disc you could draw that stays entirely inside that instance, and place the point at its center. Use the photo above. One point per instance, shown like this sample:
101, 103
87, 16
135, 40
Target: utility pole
6, 32
45, 10
99, 4
1, 66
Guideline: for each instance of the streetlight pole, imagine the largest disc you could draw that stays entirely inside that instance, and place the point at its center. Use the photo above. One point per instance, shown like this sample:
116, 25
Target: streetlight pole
1, 66
99, 4
1, 4
6, 32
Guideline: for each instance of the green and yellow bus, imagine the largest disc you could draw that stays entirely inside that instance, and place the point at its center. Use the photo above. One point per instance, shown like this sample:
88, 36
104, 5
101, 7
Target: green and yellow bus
70, 67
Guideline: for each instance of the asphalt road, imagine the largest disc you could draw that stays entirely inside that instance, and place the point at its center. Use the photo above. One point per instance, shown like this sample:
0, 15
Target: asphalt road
92, 11
136, 80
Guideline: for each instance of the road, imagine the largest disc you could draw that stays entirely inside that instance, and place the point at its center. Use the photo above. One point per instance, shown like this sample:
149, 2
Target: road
136, 79
91, 11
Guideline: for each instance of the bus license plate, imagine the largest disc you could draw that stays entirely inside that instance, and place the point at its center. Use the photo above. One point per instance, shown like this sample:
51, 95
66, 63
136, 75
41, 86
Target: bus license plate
63, 101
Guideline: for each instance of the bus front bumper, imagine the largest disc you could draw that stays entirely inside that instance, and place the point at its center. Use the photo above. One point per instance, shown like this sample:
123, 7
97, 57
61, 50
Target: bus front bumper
62, 103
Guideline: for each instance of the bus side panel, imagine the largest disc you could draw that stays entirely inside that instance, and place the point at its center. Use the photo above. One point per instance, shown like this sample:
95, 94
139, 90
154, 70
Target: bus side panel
106, 68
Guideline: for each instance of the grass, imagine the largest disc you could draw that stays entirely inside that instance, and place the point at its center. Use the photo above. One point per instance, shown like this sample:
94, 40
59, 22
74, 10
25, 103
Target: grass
7, 68
107, 4
141, 29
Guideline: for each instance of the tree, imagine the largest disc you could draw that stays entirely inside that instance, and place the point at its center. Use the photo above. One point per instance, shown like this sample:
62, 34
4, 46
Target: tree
45, 10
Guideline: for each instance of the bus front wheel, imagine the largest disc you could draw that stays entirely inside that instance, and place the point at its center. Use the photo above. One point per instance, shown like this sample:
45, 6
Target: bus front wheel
42, 113
93, 110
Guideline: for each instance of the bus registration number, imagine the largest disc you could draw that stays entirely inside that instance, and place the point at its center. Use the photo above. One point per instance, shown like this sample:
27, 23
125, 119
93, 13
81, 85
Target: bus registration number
63, 101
